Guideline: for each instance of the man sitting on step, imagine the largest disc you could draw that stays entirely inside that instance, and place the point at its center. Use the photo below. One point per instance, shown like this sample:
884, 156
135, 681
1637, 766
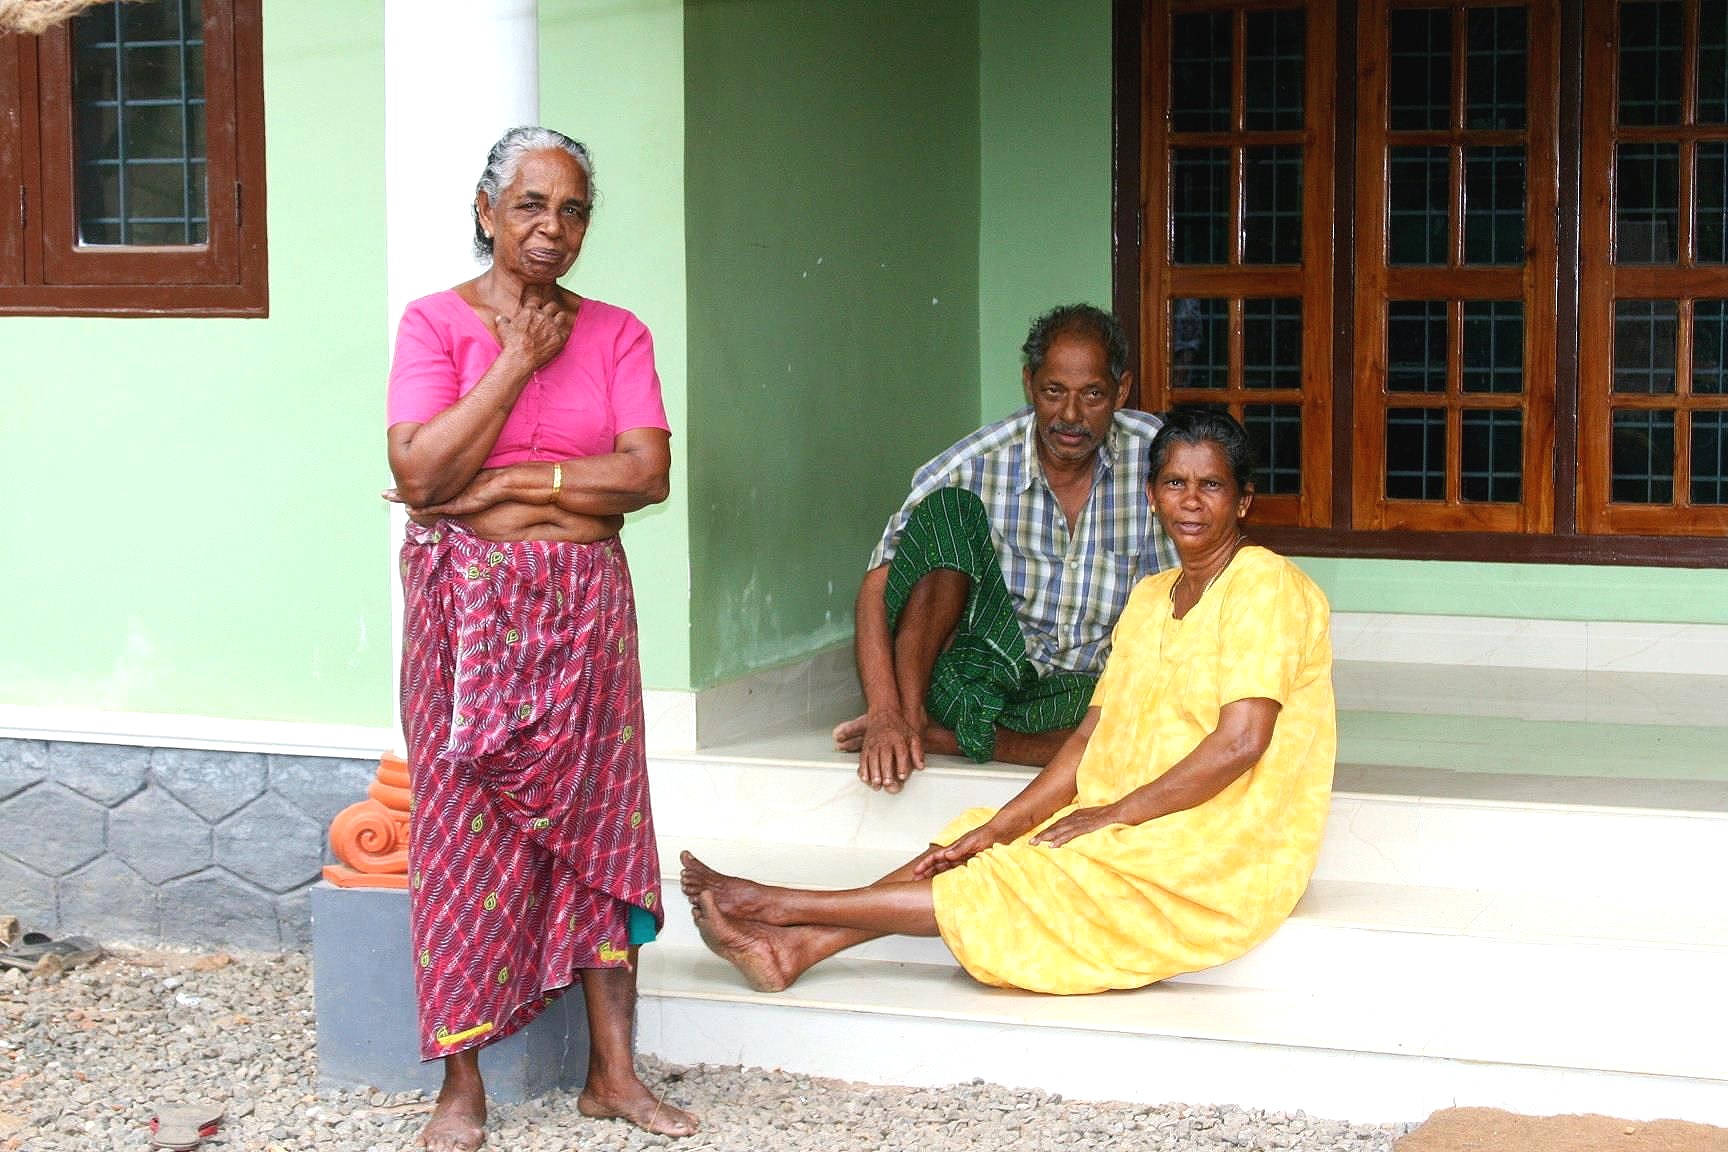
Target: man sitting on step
985, 616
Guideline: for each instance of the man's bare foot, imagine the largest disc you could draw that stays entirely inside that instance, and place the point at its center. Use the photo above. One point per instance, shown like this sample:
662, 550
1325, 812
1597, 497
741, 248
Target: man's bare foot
458, 1122
632, 1101
849, 734
747, 945
738, 898
941, 741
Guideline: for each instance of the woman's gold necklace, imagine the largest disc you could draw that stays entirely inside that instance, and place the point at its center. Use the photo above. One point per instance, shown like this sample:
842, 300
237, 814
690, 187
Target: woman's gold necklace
1213, 579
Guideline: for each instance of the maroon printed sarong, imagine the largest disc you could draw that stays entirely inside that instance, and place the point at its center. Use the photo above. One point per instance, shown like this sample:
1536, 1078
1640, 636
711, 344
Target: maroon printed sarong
531, 834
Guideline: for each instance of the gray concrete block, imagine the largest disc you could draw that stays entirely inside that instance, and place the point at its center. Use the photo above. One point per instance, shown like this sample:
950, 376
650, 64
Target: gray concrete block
294, 919
271, 843
158, 836
22, 763
321, 786
107, 773
215, 910
363, 995
110, 902
28, 895
213, 784
52, 829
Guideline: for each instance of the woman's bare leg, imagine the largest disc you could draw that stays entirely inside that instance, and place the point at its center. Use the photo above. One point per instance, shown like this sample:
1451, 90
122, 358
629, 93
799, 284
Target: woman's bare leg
458, 1122
613, 1089
773, 935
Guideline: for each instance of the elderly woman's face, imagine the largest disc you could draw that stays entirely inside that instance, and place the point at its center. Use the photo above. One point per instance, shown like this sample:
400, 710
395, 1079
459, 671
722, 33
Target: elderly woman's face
540, 218
1197, 498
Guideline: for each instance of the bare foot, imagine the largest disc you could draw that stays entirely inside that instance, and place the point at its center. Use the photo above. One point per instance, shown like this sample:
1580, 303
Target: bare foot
849, 734
940, 740
458, 1122
747, 945
633, 1102
738, 898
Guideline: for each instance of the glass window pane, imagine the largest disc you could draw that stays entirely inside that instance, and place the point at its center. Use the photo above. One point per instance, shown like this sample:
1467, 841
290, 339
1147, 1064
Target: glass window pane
1493, 450
1416, 224
1199, 205
1710, 457
1276, 432
1494, 346
1646, 203
1199, 343
1416, 346
1494, 205
1651, 64
1272, 344
139, 124
1200, 72
1713, 62
1272, 208
1710, 225
1273, 70
1709, 347
1419, 91
1644, 338
1643, 458
1494, 86
1416, 454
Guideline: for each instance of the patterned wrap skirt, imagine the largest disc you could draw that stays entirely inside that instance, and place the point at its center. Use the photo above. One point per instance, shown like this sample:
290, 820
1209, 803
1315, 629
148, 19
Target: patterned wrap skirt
531, 843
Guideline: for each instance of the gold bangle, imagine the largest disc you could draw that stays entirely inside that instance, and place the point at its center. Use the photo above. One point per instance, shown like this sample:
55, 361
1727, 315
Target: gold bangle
557, 478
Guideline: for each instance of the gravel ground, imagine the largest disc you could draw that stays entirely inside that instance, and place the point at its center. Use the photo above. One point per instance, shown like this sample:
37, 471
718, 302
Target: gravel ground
86, 1057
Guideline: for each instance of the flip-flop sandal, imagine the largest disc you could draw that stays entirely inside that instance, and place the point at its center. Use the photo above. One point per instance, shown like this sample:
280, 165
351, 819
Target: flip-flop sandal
35, 948
184, 1127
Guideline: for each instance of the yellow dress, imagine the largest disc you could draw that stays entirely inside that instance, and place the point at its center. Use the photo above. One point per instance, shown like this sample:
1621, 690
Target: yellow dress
1129, 905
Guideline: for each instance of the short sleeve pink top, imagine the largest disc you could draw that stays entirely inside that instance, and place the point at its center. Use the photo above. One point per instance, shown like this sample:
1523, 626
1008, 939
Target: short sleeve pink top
602, 383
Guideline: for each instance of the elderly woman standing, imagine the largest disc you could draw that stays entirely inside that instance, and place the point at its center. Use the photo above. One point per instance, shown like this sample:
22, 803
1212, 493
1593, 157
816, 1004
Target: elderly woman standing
1176, 828
525, 421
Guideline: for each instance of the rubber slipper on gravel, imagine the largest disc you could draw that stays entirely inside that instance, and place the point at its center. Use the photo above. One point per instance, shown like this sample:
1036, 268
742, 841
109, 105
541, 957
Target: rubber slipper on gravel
185, 1126
36, 948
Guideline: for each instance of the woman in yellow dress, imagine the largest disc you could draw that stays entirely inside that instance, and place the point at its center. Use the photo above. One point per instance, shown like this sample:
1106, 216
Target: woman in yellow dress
1177, 827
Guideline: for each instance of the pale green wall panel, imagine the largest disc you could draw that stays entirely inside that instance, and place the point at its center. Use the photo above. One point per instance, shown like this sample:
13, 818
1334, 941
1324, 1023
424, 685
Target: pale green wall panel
1044, 193
612, 75
832, 216
201, 531
1537, 591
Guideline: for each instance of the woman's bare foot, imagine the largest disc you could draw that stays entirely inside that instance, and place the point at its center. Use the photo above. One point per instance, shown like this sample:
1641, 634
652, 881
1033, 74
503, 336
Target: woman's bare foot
632, 1101
849, 734
738, 898
754, 948
458, 1122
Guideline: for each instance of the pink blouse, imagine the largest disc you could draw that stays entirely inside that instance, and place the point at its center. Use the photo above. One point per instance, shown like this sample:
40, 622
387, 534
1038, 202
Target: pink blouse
602, 383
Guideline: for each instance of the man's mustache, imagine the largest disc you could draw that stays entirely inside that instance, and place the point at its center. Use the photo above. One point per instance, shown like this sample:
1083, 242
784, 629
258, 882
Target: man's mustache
1056, 426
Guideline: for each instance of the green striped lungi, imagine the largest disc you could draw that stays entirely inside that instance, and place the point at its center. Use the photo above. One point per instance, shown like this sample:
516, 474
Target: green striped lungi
983, 678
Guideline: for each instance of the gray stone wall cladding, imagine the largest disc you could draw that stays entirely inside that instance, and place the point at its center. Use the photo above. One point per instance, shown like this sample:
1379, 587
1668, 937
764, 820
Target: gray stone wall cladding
167, 845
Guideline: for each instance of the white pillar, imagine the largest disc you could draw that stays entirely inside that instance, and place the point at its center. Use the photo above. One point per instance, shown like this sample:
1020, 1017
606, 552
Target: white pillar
457, 75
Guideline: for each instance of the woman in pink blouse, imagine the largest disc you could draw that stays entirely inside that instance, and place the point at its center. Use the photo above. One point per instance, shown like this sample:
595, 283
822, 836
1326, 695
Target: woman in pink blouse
525, 421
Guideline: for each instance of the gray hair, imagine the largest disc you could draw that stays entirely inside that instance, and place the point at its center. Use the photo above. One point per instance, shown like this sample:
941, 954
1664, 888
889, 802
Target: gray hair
1080, 320
505, 159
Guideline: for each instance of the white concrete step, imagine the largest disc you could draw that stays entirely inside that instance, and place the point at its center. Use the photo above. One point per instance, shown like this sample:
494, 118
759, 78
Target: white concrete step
1344, 937
1367, 1057
1529, 954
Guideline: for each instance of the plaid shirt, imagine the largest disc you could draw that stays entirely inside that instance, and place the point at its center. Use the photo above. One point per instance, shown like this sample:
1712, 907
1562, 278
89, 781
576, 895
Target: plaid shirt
1068, 588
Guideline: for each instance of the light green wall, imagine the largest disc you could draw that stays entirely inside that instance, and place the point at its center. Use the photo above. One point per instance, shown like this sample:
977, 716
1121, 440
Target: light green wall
1538, 591
194, 523
1044, 196
612, 75
832, 222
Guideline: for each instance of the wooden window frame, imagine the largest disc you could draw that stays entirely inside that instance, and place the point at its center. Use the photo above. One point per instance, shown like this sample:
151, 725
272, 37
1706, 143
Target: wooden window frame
1310, 281
44, 271
1570, 540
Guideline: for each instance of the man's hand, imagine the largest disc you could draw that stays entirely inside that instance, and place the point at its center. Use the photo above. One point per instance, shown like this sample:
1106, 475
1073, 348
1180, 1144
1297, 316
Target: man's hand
893, 749
943, 857
1078, 823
